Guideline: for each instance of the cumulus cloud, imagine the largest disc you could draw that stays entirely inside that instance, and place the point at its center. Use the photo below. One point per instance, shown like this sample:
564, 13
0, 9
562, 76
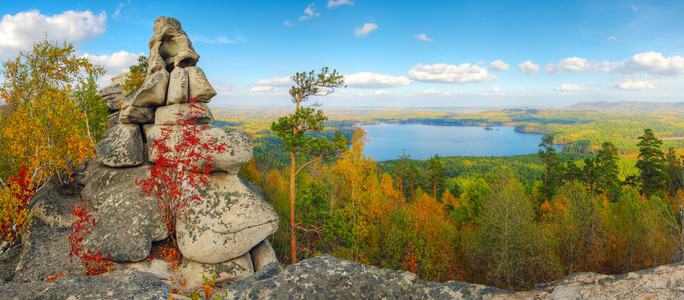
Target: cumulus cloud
433, 92
19, 32
654, 63
648, 63
365, 30
336, 3
633, 85
373, 80
498, 65
309, 12
222, 89
287, 23
115, 63
569, 87
528, 67
382, 93
571, 64
463, 73
422, 37
263, 89
496, 89
612, 38
277, 81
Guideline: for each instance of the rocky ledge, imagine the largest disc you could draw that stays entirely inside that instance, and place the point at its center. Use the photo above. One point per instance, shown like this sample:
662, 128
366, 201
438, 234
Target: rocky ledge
327, 277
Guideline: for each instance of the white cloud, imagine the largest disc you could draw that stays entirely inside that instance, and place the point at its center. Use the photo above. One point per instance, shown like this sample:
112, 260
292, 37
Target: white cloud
496, 89
433, 92
654, 63
277, 81
263, 89
19, 32
382, 93
365, 30
223, 89
528, 67
422, 37
571, 64
612, 38
373, 80
498, 65
309, 12
117, 11
463, 73
634, 8
633, 85
336, 3
115, 63
287, 23
569, 87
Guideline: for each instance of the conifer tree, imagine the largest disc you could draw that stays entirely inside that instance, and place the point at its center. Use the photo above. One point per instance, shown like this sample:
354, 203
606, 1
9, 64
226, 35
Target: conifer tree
553, 167
294, 127
651, 164
437, 178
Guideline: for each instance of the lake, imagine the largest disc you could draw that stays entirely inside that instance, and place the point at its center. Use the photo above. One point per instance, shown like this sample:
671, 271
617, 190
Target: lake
386, 141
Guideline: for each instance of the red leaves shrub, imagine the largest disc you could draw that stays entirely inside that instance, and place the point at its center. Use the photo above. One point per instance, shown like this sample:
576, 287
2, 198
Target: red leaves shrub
14, 206
177, 173
82, 224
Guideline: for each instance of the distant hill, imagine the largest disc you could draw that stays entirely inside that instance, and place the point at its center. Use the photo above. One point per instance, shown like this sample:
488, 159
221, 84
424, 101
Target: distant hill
629, 106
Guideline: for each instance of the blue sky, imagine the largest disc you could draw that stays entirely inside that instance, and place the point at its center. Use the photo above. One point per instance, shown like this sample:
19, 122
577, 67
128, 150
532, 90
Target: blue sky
399, 53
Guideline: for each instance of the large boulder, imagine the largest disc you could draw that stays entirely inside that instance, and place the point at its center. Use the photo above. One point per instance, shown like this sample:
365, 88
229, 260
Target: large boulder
178, 87
153, 90
200, 88
52, 208
121, 147
171, 114
231, 271
230, 220
238, 146
171, 44
263, 254
136, 115
113, 94
128, 221
45, 252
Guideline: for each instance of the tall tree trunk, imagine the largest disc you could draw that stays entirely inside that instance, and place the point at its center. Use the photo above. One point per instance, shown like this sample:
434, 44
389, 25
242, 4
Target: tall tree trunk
293, 240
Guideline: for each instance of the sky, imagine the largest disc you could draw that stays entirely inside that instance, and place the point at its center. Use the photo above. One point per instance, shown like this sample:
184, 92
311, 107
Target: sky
392, 53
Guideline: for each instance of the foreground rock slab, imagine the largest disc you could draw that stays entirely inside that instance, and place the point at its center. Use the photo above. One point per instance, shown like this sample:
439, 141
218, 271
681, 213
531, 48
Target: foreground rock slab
126, 284
327, 277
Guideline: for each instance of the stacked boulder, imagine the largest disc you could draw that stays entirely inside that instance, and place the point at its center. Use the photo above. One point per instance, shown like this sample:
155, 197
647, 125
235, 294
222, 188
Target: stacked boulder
226, 233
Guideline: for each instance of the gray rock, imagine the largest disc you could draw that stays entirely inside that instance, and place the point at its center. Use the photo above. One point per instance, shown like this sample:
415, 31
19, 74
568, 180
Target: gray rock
52, 208
227, 272
127, 284
155, 62
200, 88
239, 147
128, 221
45, 252
121, 147
171, 114
112, 121
178, 87
153, 90
127, 226
263, 254
8, 262
113, 94
175, 49
136, 115
229, 221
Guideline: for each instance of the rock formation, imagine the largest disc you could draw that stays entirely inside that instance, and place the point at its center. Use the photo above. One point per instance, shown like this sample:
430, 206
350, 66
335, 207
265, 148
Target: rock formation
217, 235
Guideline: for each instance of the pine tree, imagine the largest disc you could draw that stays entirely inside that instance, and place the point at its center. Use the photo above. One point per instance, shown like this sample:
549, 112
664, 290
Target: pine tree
651, 164
293, 128
553, 167
437, 178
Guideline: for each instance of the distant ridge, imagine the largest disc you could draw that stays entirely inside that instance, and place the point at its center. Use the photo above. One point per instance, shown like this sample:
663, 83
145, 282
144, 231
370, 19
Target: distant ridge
629, 106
